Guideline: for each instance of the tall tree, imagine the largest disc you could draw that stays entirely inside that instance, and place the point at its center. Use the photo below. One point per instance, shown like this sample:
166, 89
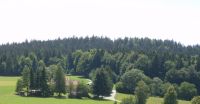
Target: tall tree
141, 92
26, 78
171, 96
102, 83
60, 86
33, 69
45, 90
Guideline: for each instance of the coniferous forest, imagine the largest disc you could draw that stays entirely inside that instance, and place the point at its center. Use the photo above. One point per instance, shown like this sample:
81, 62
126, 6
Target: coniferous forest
158, 63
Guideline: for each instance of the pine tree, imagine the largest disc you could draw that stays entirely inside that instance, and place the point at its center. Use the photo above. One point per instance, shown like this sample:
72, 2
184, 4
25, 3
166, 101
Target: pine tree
141, 92
171, 96
33, 71
45, 90
60, 86
102, 84
26, 78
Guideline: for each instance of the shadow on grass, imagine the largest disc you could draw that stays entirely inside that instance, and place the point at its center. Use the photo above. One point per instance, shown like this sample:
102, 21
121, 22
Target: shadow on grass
99, 99
65, 97
60, 97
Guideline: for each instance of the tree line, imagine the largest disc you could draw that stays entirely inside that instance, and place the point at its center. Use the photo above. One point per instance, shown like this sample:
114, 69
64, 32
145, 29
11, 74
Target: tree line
158, 63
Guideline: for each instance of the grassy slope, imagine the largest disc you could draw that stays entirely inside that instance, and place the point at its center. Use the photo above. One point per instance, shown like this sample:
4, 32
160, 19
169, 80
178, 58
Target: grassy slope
7, 96
151, 100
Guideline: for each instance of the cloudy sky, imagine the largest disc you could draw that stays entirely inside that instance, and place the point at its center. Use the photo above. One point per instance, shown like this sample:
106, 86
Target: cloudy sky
49, 19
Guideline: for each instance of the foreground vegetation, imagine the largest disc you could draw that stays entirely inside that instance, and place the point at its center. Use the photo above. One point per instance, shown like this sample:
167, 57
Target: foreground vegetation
143, 67
7, 96
150, 100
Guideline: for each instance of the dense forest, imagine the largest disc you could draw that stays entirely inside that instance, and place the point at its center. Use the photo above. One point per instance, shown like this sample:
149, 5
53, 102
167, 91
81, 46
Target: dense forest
158, 63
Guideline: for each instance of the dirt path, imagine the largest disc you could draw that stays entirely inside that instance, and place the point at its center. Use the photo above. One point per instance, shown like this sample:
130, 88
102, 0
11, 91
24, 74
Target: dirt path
112, 96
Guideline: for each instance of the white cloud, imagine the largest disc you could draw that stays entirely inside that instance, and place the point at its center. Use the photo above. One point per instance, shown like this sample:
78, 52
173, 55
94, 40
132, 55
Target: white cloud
49, 19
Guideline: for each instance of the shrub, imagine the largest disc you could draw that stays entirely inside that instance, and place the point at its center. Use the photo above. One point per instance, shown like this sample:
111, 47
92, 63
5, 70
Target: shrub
196, 100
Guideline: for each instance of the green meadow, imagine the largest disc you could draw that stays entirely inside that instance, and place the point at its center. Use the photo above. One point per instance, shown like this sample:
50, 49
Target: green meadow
7, 95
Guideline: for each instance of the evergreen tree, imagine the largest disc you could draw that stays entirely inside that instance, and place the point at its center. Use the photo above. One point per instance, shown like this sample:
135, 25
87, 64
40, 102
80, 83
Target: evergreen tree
102, 84
33, 70
26, 78
197, 67
60, 86
171, 96
45, 90
141, 92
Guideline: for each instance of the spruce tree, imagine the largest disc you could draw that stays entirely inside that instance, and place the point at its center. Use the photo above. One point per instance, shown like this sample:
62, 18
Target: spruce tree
26, 78
33, 71
102, 83
171, 96
45, 91
60, 86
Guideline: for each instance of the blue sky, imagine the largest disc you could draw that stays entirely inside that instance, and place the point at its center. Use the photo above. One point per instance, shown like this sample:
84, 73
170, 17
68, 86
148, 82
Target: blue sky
49, 19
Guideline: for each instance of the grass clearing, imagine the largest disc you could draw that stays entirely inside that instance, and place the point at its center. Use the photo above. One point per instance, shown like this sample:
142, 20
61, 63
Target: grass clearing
7, 95
78, 78
151, 100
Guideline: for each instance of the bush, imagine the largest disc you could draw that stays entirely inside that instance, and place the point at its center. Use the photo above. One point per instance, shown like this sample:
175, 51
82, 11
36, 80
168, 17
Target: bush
131, 78
19, 86
128, 100
187, 91
82, 90
196, 100
119, 87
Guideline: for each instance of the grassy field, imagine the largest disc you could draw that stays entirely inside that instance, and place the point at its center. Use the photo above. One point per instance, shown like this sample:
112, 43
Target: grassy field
78, 78
151, 100
7, 96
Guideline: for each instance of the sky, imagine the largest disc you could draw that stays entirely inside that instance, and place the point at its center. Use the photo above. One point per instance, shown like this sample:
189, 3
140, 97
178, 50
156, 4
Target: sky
177, 20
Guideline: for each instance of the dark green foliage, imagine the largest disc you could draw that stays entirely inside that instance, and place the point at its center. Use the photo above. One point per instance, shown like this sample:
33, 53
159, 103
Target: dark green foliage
131, 78
197, 67
156, 87
19, 86
187, 91
25, 78
102, 84
196, 100
171, 96
119, 87
168, 60
45, 90
60, 86
129, 100
33, 71
141, 93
